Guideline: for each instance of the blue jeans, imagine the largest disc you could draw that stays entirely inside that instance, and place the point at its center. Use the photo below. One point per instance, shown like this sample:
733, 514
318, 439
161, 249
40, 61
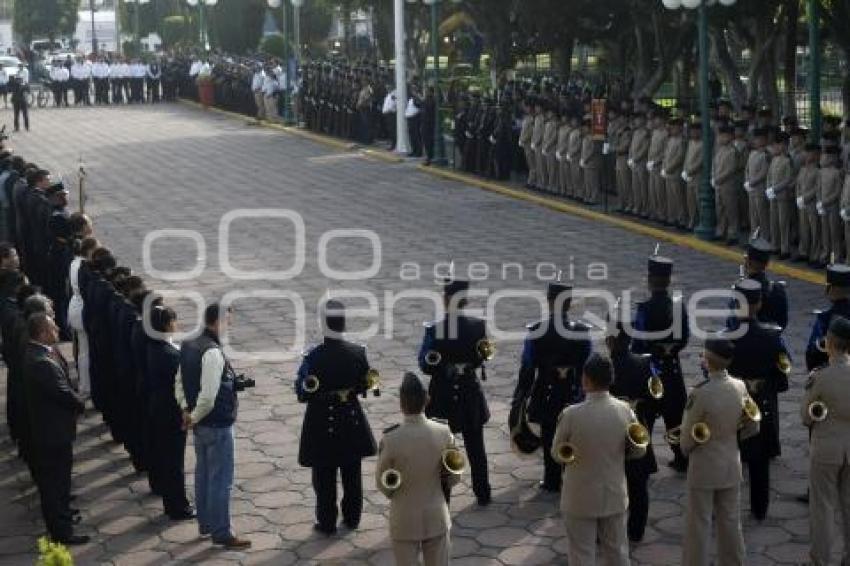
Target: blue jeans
213, 480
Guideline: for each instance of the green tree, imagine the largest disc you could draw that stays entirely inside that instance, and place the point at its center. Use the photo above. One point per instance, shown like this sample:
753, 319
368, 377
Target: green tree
50, 18
176, 30
236, 25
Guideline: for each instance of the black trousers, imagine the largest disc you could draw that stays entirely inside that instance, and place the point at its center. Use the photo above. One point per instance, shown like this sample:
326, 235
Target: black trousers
52, 470
637, 484
324, 484
20, 108
551, 469
415, 136
672, 408
166, 471
473, 440
759, 470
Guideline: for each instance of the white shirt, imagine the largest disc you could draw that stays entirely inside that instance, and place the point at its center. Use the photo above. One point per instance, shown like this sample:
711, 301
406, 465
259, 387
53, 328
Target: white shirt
62, 75
195, 68
257, 81
411, 111
389, 103
4, 77
153, 75
212, 366
124, 70
270, 85
24, 75
115, 71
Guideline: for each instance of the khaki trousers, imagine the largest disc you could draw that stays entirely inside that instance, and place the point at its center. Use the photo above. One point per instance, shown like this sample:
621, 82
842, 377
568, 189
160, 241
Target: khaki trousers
531, 161
727, 211
259, 100
675, 199
759, 213
809, 233
829, 495
624, 184
582, 534
577, 179
832, 232
271, 107
542, 172
554, 170
639, 188
657, 206
780, 223
435, 551
591, 185
692, 196
564, 176
727, 513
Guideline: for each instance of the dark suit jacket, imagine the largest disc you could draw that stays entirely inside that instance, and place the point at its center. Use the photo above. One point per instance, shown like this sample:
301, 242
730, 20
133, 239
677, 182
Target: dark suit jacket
53, 403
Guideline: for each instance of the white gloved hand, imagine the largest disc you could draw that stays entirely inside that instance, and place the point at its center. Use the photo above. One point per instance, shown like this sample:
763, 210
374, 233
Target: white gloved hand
663, 174
770, 193
559, 156
685, 177
845, 215
492, 140
819, 208
801, 203
581, 163
650, 165
631, 163
747, 186
545, 153
606, 148
713, 183
533, 147
569, 157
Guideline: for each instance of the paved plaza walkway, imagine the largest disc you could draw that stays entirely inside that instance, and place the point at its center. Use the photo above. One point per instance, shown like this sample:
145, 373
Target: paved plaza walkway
176, 167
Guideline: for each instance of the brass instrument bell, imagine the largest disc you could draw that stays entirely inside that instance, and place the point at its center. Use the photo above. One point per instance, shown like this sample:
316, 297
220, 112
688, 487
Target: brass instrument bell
391, 479
700, 433
373, 382
818, 411
656, 387
751, 410
566, 453
453, 461
486, 349
311, 384
433, 358
637, 435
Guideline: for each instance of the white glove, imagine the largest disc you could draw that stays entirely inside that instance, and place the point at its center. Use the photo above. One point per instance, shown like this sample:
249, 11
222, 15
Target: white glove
713, 184
533, 147
663, 174
559, 156
631, 163
819, 208
581, 163
492, 140
605, 148
650, 165
845, 215
801, 203
545, 153
770, 193
569, 157
747, 186
519, 144
685, 177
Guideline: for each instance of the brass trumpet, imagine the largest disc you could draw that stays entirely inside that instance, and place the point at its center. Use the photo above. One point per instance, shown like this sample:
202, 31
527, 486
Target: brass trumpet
373, 382
784, 364
750, 411
656, 387
699, 432
637, 435
566, 454
820, 344
818, 411
433, 358
453, 461
391, 479
311, 384
486, 349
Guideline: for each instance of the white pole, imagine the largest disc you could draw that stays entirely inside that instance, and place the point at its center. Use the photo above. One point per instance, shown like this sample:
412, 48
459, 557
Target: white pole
402, 142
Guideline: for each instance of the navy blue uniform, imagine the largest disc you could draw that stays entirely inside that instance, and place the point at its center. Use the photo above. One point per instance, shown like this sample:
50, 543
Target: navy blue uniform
815, 356
758, 361
335, 434
631, 383
667, 321
774, 303
455, 389
550, 377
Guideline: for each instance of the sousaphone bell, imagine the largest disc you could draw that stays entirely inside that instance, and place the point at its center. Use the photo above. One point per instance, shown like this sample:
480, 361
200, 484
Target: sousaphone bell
818, 411
453, 461
391, 479
311, 384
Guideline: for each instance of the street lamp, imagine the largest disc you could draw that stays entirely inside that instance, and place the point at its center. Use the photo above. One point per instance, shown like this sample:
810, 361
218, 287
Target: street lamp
137, 34
200, 4
287, 107
707, 213
402, 144
439, 143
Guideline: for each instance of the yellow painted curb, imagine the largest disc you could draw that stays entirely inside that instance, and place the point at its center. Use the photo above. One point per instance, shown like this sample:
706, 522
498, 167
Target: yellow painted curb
307, 134
684, 240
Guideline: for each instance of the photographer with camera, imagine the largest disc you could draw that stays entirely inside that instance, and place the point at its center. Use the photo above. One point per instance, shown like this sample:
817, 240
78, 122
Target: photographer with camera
206, 393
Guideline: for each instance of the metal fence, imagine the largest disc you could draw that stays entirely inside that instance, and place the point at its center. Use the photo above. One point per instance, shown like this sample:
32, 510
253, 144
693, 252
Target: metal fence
831, 101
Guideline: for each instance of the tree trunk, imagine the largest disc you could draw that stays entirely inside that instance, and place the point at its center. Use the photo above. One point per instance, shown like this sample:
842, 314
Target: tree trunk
792, 8
727, 66
845, 86
345, 7
562, 58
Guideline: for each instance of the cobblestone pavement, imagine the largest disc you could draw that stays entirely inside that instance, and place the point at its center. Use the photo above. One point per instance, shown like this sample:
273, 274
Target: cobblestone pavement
177, 167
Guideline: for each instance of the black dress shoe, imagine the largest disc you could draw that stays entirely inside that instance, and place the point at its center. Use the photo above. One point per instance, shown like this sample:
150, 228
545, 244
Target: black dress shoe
484, 499
351, 524
324, 530
74, 540
784, 256
543, 486
680, 466
182, 515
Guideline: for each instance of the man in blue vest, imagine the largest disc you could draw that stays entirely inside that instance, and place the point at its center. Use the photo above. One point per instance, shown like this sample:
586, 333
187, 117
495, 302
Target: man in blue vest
206, 392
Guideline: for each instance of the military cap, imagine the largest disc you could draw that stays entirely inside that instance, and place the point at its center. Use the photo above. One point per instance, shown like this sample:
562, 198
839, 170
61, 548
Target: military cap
799, 132
660, 266
741, 124
758, 249
748, 108
831, 137
695, 125
674, 121
832, 150
555, 290
724, 102
411, 385
812, 147
452, 287
758, 132
55, 188
720, 347
838, 274
832, 120
840, 327
780, 137
726, 129
788, 119
750, 289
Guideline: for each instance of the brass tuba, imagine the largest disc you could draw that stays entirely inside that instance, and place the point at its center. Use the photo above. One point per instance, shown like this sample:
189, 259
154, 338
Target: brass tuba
433, 358
783, 364
655, 387
373, 382
818, 411
486, 349
699, 432
637, 435
453, 461
566, 454
750, 411
391, 479
311, 384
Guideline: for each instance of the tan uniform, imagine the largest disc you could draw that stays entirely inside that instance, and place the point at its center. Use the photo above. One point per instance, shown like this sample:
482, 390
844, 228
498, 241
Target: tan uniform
714, 470
845, 212
638, 151
594, 497
525, 135
723, 171
832, 230
624, 174
550, 145
561, 155
590, 162
693, 169
657, 200
742, 151
780, 178
829, 452
536, 143
807, 196
755, 179
573, 158
419, 514
671, 170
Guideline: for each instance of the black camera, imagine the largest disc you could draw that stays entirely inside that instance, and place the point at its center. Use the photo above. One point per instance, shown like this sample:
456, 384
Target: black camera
241, 383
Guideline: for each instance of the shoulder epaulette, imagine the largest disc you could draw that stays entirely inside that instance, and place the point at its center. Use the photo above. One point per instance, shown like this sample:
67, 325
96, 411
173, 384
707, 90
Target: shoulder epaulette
533, 325
440, 421
391, 428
